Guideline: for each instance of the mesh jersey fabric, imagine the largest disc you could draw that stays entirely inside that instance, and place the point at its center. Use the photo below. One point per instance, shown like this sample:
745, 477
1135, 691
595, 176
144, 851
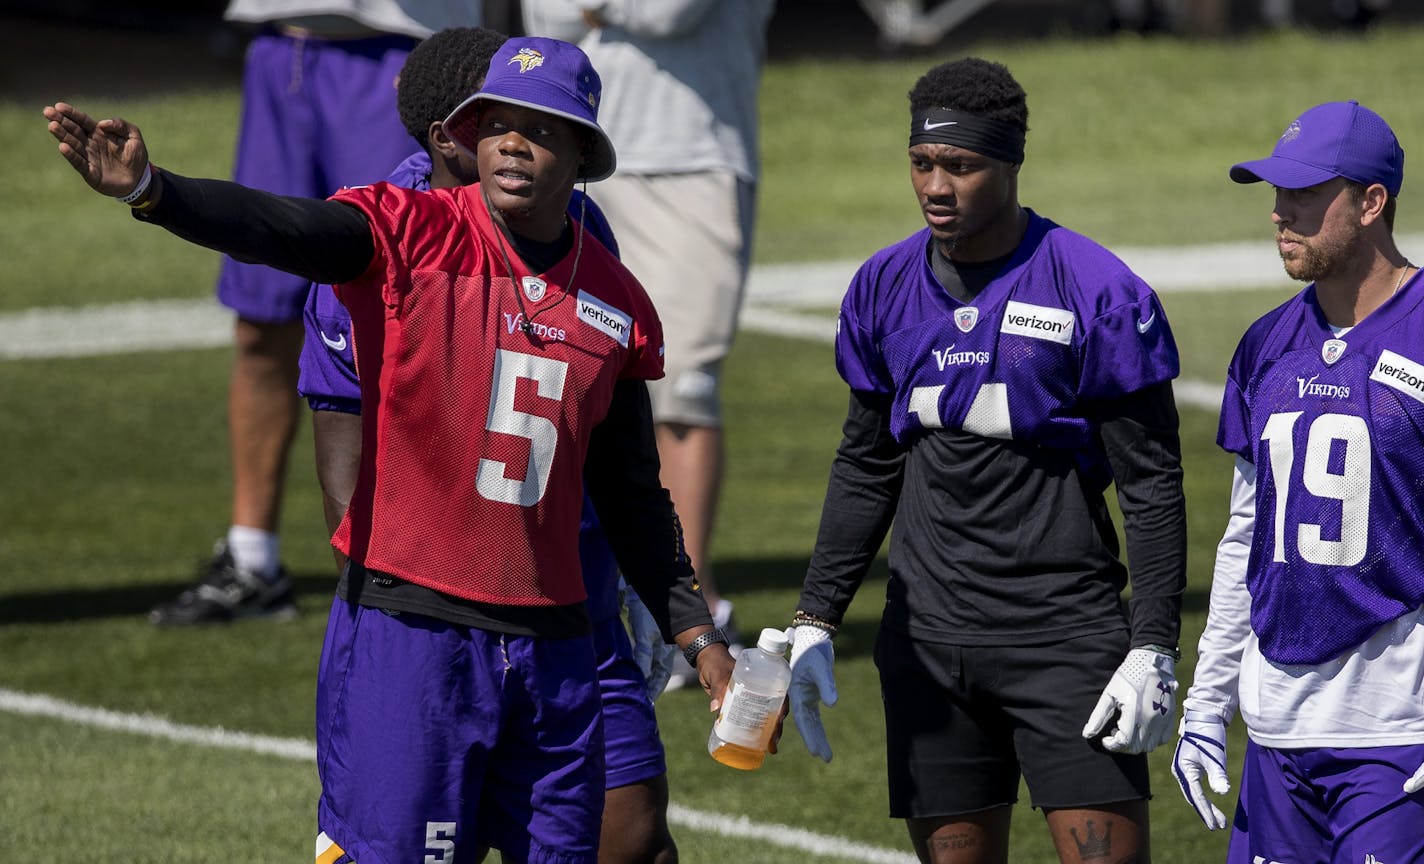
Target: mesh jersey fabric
1335, 428
1066, 322
474, 432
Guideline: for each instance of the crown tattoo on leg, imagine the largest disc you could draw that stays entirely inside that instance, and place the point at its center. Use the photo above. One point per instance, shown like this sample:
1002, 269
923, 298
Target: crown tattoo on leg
1093, 846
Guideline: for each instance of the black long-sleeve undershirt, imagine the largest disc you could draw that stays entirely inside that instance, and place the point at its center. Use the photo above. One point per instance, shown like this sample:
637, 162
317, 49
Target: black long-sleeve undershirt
323, 241
1139, 436
621, 475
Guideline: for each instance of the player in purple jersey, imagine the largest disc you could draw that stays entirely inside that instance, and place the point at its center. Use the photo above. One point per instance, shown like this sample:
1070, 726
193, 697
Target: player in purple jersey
1315, 630
438, 75
1003, 372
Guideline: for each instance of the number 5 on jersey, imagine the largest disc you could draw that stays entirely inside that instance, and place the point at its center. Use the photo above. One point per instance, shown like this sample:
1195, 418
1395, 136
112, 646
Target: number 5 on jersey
548, 376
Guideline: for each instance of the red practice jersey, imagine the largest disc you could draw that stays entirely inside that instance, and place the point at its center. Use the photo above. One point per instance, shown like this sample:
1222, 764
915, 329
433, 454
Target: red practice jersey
474, 432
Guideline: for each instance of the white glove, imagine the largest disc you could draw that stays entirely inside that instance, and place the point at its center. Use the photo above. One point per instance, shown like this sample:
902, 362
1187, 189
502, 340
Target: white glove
812, 683
1415, 783
656, 659
1202, 750
1143, 692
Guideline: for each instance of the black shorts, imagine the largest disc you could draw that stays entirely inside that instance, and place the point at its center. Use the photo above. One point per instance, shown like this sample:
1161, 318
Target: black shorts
962, 722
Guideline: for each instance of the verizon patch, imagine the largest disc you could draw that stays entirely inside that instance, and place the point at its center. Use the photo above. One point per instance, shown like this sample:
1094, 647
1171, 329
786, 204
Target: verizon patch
1038, 322
1401, 373
601, 316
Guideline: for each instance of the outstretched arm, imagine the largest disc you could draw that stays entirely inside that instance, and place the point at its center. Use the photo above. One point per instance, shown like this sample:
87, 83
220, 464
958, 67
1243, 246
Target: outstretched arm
323, 241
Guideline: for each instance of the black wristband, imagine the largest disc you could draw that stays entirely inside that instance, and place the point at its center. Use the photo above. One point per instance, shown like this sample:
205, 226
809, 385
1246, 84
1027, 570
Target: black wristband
1174, 653
696, 645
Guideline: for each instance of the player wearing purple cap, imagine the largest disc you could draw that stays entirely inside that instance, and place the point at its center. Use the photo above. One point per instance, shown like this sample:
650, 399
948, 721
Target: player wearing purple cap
1315, 631
1003, 372
502, 365
438, 75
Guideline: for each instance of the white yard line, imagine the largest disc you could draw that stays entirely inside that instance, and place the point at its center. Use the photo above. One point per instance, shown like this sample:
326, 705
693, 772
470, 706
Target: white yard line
782, 299
114, 328
300, 750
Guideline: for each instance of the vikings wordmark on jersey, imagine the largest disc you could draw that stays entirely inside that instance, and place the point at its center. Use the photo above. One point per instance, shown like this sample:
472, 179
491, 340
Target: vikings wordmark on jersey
1064, 323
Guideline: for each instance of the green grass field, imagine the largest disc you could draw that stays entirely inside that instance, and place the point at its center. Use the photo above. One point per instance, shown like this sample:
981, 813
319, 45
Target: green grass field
113, 470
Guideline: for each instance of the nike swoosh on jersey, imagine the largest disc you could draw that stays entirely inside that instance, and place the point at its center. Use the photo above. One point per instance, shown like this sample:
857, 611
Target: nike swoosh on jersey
333, 344
1144, 326
930, 127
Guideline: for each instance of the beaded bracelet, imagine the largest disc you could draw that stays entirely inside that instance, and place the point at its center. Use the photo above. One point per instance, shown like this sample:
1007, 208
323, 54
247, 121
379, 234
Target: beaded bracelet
809, 620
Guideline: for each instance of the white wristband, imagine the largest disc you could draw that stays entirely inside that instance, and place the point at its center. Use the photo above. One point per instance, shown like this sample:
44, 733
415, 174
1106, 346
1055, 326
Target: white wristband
141, 188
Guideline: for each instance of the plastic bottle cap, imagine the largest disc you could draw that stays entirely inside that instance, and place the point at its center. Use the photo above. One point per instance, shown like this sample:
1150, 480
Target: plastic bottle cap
773, 641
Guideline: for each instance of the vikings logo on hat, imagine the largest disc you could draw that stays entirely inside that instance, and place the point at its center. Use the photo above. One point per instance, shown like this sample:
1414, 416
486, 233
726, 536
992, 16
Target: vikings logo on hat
527, 58
1292, 132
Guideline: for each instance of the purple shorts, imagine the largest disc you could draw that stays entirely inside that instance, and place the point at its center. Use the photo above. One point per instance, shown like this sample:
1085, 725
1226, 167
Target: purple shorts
632, 748
316, 116
434, 739
1328, 806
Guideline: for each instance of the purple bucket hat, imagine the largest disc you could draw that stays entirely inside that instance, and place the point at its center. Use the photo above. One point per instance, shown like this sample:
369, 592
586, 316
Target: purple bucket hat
546, 75
1336, 139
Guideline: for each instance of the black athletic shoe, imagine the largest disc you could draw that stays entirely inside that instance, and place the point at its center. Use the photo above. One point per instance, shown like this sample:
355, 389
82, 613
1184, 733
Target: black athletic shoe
227, 593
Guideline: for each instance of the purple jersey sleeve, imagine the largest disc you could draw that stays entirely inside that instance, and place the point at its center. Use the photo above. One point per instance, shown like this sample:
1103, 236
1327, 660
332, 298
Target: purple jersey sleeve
326, 375
1335, 427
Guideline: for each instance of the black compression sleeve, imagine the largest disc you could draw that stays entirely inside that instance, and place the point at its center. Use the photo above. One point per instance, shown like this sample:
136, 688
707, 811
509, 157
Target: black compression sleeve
621, 475
1139, 434
861, 497
319, 240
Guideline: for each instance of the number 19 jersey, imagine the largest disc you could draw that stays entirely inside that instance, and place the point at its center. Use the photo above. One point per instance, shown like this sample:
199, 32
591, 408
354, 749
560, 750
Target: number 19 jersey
479, 389
1335, 428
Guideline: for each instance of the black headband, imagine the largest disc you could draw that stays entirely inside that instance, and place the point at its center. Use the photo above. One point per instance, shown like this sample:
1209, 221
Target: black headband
993, 138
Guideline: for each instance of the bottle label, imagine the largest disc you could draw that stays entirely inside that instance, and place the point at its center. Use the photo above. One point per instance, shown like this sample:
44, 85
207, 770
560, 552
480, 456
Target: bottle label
744, 715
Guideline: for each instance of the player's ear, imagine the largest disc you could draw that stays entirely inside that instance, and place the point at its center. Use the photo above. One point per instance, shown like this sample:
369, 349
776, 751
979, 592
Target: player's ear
439, 140
1373, 199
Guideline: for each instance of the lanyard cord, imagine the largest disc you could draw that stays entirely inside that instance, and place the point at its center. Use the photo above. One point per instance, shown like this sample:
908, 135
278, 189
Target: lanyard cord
528, 325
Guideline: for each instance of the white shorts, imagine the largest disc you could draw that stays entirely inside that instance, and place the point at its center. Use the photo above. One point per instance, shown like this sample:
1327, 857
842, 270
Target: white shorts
687, 237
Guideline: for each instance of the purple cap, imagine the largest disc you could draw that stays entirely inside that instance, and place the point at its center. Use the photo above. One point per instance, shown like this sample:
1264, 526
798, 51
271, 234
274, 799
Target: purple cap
546, 75
1337, 139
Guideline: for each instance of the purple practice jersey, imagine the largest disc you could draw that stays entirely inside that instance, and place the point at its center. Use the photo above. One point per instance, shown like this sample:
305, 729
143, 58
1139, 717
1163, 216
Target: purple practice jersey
1335, 428
1064, 323
329, 382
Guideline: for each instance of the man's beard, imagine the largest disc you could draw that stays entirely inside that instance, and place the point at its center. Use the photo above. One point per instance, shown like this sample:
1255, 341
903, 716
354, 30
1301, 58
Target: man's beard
1318, 257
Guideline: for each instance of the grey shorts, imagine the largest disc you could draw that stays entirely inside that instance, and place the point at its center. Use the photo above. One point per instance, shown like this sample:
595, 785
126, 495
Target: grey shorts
687, 237
962, 723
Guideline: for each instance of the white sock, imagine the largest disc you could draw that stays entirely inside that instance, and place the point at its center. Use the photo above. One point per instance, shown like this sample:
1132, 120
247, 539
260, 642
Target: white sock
254, 550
